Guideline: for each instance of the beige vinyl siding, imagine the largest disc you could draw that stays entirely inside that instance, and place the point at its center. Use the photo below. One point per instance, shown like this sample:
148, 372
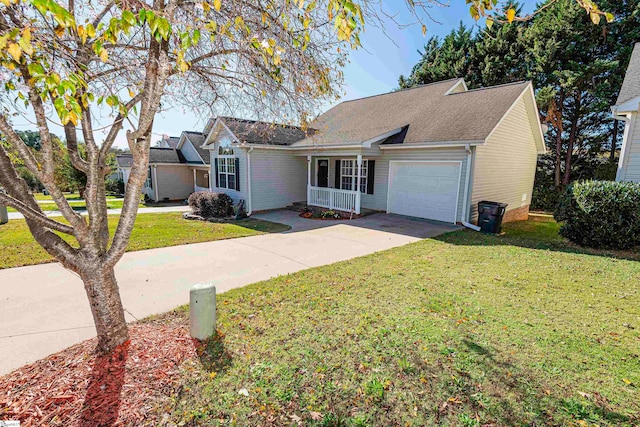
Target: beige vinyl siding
505, 166
241, 155
174, 182
632, 157
378, 200
278, 179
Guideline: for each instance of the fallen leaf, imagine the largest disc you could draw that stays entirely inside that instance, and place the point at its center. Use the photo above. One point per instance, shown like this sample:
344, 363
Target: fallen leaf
316, 416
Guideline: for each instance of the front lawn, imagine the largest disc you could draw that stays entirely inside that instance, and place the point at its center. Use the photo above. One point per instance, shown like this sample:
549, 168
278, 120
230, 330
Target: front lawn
159, 230
75, 204
463, 330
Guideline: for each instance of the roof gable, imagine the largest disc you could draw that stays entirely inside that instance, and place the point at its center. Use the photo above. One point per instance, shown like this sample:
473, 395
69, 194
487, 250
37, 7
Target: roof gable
258, 132
631, 85
195, 141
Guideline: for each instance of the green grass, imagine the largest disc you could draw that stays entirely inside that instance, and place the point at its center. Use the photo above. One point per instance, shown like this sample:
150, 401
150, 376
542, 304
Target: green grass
76, 205
464, 330
68, 196
18, 248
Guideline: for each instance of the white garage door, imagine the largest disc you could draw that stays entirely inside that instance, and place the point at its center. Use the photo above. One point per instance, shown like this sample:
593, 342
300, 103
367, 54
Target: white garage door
424, 189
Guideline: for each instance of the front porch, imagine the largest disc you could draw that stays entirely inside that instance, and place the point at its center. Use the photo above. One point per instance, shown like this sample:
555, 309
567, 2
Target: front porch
201, 181
350, 174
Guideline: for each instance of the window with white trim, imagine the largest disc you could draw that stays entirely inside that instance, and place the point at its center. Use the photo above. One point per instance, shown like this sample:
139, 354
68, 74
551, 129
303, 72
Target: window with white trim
349, 175
149, 182
227, 172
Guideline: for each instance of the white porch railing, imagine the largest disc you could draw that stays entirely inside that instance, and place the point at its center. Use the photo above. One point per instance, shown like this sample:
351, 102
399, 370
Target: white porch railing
197, 189
332, 198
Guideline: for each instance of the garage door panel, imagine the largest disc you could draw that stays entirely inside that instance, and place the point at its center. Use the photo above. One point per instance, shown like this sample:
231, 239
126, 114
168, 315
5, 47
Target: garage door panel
424, 189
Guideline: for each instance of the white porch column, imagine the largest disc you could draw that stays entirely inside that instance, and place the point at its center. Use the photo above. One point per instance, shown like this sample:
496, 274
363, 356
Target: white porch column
358, 194
195, 181
308, 179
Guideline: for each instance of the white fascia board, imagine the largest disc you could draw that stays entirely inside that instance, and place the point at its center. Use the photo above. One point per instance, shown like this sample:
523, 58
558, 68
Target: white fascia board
183, 137
367, 144
458, 83
170, 164
211, 133
327, 147
248, 145
630, 106
439, 144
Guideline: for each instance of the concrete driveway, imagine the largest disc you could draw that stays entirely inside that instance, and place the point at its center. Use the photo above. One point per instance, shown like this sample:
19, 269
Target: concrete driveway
44, 308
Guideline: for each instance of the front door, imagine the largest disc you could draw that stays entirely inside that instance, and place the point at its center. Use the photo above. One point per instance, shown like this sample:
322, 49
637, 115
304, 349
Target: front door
323, 173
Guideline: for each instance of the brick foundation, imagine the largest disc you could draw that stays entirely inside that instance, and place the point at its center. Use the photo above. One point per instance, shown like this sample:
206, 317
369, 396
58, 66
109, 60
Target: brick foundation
519, 214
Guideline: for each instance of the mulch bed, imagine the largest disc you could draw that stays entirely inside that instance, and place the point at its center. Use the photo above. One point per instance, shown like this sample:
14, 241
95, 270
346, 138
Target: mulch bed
77, 387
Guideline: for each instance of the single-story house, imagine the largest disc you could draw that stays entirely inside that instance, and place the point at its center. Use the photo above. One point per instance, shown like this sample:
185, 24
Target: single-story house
626, 109
432, 151
177, 168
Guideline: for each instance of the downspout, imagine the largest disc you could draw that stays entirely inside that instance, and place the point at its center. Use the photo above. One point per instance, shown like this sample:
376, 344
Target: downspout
466, 205
249, 202
155, 182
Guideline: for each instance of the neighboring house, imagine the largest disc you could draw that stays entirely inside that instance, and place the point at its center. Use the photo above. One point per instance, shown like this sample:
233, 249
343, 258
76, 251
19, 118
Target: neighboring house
177, 168
432, 152
169, 142
626, 109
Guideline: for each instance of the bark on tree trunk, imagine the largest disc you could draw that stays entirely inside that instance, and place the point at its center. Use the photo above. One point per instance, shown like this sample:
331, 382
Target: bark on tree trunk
558, 157
572, 139
106, 307
614, 141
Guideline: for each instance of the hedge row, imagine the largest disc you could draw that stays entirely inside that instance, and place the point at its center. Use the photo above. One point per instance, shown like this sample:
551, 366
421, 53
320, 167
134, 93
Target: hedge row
601, 214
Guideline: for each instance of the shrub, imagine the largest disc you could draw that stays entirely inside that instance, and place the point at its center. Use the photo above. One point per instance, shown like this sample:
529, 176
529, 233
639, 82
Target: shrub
114, 186
601, 214
211, 205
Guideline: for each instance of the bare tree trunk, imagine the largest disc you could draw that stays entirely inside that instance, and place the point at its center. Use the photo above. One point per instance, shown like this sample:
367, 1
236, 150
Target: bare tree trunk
106, 307
614, 141
572, 140
555, 114
558, 157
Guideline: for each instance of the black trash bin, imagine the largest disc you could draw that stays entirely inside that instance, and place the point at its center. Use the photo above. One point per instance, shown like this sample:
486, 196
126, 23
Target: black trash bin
490, 216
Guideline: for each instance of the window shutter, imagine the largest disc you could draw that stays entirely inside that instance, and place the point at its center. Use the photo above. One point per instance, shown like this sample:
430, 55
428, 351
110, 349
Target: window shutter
336, 184
371, 174
215, 164
237, 174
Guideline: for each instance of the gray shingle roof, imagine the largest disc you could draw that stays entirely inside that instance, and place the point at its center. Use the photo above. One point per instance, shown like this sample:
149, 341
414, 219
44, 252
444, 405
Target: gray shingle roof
430, 114
124, 160
173, 141
257, 132
197, 139
165, 155
631, 85
156, 155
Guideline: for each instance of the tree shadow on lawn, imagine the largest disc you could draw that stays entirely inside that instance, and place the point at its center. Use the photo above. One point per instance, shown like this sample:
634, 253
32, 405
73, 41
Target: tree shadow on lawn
472, 238
513, 391
102, 400
212, 353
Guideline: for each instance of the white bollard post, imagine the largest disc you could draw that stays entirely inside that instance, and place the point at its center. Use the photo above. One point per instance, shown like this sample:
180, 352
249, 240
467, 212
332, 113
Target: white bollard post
202, 311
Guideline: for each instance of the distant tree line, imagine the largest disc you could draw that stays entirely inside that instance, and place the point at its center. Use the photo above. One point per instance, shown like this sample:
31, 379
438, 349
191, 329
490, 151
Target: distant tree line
577, 69
67, 177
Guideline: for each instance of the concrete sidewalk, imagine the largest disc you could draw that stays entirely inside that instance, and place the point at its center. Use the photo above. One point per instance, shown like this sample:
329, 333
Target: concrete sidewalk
45, 310
52, 214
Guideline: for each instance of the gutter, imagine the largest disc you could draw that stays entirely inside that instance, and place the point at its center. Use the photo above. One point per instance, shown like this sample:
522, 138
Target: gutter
467, 183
